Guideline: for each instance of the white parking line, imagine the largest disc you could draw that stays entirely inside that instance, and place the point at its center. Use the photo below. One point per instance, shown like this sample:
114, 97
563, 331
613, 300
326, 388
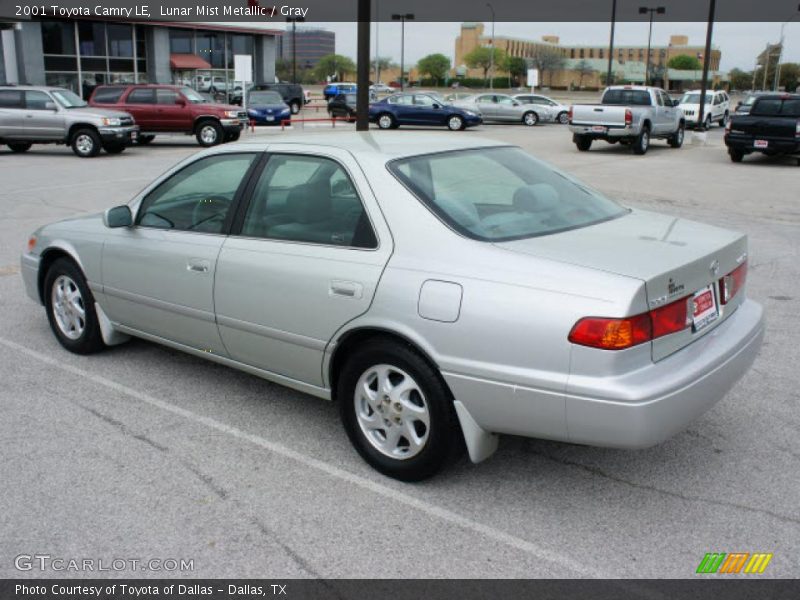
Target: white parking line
433, 510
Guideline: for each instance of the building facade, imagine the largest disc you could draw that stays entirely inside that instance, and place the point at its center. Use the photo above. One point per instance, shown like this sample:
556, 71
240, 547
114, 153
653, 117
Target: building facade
311, 44
82, 54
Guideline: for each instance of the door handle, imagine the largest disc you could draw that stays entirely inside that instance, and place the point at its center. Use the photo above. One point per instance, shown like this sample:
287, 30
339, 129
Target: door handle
348, 289
197, 265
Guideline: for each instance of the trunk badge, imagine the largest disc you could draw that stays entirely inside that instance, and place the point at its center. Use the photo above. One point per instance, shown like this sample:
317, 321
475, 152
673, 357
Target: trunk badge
714, 267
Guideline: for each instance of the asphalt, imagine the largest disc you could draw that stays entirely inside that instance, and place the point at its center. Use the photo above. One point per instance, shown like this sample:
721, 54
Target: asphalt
142, 452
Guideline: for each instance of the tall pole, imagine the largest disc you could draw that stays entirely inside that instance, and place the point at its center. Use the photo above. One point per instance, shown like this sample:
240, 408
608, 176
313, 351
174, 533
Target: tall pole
491, 48
611, 41
294, 50
362, 71
402, 18
644, 10
377, 49
701, 116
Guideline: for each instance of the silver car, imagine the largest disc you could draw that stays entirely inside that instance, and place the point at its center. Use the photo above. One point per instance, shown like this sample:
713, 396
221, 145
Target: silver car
439, 290
548, 109
500, 108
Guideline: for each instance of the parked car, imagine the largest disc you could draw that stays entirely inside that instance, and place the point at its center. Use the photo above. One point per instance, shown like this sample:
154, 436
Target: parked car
173, 109
209, 83
292, 93
743, 107
381, 88
267, 108
453, 98
632, 115
50, 115
772, 127
420, 109
332, 90
716, 107
500, 108
439, 289
548, 109
343, 106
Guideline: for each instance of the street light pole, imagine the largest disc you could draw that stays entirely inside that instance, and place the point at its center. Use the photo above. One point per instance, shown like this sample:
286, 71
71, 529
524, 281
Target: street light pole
611, 41
491, 48
294, 21
377, 49
643, 10
362, 65
780, 52
701, 120
402, 18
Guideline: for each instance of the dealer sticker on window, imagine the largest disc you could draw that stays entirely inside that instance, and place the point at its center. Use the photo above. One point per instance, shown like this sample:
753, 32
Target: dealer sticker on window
705, 310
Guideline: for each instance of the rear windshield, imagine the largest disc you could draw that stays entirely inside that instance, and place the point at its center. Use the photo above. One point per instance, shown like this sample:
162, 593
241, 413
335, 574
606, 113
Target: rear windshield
780, 107
627, 97
500, 194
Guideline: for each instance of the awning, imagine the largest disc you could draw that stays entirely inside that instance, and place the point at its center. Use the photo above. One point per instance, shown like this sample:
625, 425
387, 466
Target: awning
185, 62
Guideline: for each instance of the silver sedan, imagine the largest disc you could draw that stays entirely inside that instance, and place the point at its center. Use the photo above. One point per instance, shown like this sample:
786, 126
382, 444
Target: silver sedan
500, 108
440, 291
548, 109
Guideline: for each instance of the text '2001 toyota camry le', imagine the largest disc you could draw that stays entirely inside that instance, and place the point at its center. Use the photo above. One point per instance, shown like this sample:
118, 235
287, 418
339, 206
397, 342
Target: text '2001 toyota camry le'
441, 291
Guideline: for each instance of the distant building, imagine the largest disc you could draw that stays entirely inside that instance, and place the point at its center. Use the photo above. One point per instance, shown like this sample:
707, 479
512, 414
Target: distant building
312, 44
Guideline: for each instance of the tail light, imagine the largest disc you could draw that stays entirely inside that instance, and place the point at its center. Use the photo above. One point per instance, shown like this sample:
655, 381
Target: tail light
732, 283
628, 117
569, 116
797, 129
618, 334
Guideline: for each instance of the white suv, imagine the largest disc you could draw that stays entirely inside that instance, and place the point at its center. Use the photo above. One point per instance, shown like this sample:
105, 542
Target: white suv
717, 107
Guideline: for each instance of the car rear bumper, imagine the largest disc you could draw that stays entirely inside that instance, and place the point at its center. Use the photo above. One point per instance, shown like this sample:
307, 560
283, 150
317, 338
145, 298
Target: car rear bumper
118, 135
610, 132
774, 145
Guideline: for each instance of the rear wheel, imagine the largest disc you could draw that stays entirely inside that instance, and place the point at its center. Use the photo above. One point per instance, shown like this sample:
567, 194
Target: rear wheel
397, 411
86, 143
209, 133
455, 123
386, 121
70, 308
642, 142
19, 147
582, 142
563, 118
295, 107
736, 155
530, 118
676, 140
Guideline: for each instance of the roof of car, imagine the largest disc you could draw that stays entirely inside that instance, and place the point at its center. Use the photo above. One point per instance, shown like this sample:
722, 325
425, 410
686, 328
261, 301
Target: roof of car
387, 145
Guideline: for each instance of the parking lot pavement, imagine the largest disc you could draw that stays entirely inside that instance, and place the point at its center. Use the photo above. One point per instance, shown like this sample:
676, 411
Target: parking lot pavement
144, 452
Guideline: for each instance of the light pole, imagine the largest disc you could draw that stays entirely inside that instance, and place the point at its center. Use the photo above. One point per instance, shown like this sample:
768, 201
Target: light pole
402, 18
611, 41
294, 21
377, 49
780, 52
643, 10
491, 49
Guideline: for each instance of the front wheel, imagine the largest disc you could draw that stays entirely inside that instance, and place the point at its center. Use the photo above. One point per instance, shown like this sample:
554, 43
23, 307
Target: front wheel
209, 133
642, 143
582, 142
86, 143
70, 308
19, 147
676, 140
530, 118
397, 411
455, 123
386, 121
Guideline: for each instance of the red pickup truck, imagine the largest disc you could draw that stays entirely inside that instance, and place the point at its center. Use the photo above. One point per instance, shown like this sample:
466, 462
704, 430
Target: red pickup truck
172, 109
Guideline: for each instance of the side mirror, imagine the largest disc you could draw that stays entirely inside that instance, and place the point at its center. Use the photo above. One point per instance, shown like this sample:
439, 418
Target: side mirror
50, 106
119, 216
180, 101
515, 103
436, 106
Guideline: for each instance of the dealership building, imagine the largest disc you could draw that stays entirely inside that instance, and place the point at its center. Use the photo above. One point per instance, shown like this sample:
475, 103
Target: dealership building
81, 54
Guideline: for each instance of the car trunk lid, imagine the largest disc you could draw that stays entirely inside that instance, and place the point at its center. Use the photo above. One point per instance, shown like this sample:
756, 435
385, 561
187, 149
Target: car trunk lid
675, 258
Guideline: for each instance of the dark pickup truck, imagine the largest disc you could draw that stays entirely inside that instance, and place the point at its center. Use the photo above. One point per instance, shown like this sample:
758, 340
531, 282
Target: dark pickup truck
772, 128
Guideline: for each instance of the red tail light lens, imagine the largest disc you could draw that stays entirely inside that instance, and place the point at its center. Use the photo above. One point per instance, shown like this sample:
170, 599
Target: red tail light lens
732, 283
569, 114
618, 334
628, 117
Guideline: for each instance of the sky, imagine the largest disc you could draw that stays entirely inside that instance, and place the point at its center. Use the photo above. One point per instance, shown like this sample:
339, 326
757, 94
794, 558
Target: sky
740, 43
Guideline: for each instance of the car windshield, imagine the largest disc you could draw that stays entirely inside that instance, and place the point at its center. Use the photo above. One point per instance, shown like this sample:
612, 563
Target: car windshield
192, 96
691, 99
778, 107
500, 194
627, 97
68, 99
265, 98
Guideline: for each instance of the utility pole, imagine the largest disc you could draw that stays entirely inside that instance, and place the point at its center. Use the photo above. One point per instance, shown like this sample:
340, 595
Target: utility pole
294, 21
491, 47
402, 18
701, 118
611, 41
362, 70
643, 10
377, 36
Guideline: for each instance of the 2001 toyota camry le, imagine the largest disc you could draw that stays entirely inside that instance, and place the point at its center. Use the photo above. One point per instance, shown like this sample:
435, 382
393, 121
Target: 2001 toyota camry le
439, 290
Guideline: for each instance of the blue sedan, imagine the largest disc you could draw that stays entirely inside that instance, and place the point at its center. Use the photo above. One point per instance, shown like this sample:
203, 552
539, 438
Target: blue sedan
267, 108
420, 109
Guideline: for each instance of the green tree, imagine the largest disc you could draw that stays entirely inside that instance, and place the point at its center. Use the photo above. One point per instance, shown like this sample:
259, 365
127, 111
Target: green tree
584, 69
684, 62
334, 66
283, 69
517, 68
481, 58
435, 66
790, 76
741, 80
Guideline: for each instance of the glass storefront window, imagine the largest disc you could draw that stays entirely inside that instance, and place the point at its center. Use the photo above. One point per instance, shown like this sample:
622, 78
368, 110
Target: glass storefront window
211, 48
91, 81
63, 80
120, 40
180, 41
239, 44
58, 37
92, 38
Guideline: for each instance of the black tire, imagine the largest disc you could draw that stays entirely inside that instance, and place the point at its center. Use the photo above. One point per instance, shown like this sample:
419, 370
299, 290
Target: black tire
676, 140
209, 133
233, 137
19, 147
143, 140
530, 118
563, 118
724, 120
294, 106
582, 142
386, 121
86, 143
455, 123
736, 155
707, 123
444, 437
114, 148
642, 142
90, 340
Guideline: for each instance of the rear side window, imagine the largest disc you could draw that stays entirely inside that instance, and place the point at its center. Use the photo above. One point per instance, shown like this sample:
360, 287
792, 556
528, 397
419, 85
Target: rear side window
36, 100
10, 99
108, 95
142, 96
778, 107
627, 97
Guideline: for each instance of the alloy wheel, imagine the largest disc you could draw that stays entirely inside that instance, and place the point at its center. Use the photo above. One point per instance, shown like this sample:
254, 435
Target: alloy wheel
68, 308
84, 144
208, 134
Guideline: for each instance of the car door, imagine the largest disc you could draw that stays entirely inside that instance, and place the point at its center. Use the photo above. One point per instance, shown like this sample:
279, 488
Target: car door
11, 114
158, 275
171, 112
487, 105
42, 119
141, 103
404, 110
428, 110
507, 109
309, 252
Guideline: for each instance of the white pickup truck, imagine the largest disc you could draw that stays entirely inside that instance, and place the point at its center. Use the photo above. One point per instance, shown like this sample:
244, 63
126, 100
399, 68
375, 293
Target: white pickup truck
628, 114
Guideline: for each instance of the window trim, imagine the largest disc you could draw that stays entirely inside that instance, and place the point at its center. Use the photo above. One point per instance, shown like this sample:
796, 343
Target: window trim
247, 196
235, 202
